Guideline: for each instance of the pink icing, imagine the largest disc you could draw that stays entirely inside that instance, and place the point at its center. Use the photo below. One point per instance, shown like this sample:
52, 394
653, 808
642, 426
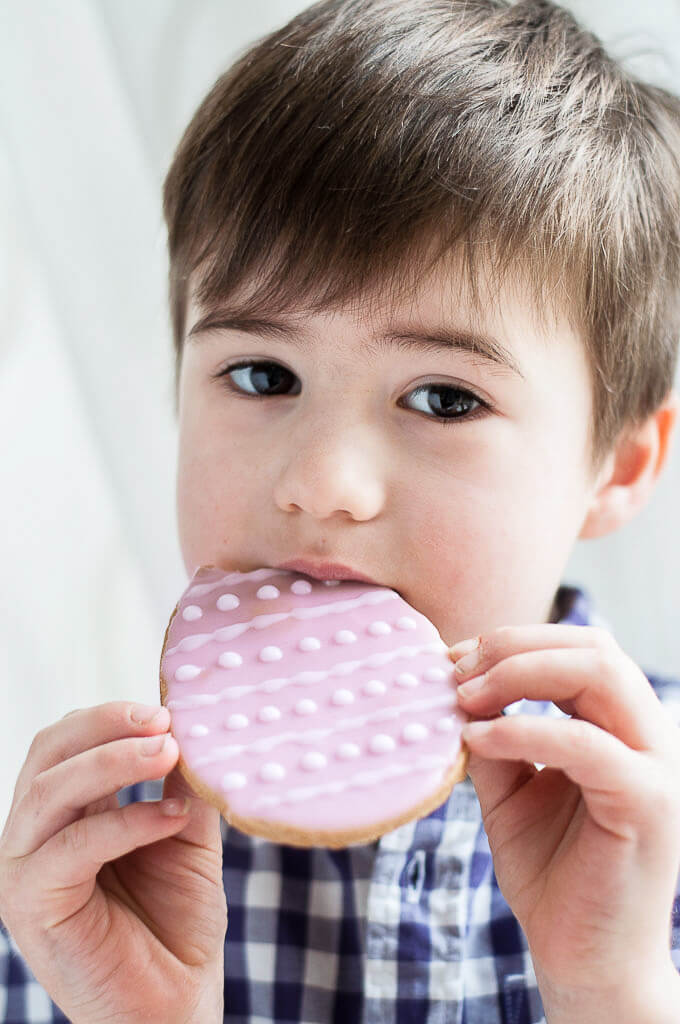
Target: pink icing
309, 704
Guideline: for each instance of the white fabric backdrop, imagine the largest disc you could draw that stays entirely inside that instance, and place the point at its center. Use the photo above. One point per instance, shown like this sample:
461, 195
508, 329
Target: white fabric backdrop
94, 95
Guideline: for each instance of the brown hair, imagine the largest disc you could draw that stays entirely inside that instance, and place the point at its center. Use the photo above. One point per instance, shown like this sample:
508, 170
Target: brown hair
327, 159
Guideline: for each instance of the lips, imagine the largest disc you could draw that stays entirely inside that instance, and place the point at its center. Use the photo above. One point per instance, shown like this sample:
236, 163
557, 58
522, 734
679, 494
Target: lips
325, 570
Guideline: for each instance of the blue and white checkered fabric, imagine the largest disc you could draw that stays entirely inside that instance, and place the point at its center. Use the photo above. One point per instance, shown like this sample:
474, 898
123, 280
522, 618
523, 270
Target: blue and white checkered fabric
412, 929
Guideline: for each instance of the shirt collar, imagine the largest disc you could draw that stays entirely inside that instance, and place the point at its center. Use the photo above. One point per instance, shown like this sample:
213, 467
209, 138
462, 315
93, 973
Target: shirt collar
574, 607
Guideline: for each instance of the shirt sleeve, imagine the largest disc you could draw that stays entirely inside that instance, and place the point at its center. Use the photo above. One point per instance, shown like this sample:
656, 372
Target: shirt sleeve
668, 692
22, 999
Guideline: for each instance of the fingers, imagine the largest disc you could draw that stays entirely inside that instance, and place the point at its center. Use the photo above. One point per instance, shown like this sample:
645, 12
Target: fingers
483, 651
75, 854
619, 748
59, 794
606, 770
588, 755
87, 728
203, 826
580, 668
496, 781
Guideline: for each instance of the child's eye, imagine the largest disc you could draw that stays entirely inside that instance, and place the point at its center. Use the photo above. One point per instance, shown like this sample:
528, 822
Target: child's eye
448, 402
445, 403
261, 379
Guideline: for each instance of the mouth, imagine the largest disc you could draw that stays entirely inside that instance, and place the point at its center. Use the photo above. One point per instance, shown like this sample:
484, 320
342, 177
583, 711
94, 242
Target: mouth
326, 571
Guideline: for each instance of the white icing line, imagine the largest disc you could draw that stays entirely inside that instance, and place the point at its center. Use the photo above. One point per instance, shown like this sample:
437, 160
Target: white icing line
225, 633
373, 597
311, 736
343, 668
361, 780
200, 589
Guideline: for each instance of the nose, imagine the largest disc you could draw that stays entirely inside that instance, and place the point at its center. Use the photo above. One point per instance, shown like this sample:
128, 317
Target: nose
332, 471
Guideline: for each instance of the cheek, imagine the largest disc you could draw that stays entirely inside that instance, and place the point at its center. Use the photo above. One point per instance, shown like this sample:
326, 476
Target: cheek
196, 518
454, 551
213, 501
491, 553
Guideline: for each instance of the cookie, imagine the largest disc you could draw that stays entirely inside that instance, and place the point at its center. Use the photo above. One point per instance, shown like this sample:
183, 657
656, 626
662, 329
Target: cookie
312, 713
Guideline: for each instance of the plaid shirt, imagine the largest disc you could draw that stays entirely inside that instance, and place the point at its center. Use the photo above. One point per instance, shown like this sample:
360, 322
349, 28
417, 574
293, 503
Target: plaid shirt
412, 928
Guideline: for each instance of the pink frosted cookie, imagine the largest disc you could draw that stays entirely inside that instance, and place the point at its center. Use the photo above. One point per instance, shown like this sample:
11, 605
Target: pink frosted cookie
312, 713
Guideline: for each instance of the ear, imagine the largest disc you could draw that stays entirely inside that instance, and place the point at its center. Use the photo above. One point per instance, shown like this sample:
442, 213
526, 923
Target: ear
631, 470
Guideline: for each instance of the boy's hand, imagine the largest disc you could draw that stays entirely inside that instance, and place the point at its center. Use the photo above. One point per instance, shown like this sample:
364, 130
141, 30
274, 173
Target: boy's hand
587, 850
120, 912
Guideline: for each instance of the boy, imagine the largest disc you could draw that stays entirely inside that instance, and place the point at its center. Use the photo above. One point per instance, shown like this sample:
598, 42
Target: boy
389, 217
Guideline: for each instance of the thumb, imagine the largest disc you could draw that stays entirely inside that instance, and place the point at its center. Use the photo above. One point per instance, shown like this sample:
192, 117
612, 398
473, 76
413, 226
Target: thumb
496, 781
203, 824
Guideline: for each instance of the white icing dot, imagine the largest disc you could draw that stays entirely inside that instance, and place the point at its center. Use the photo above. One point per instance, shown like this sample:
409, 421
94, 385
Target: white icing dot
186, 672
192, 612
301, 587
233, 780
434, 675
331, 583
309, 643
379, 628
227, 602
305, 707
271, 654
268, 593
414, 732
269, 713
199, 730
230, 659
313, 761
406, 679
348, 751
381, 744
237, 722
406, 623
374, 688
345, 636
444, 725
342, 697
272, 771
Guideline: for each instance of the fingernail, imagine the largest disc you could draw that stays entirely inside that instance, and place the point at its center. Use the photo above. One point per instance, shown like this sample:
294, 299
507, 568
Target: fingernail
472, 686
467, 665
174, 807
142, 714
464, 647
153, 744
475, 730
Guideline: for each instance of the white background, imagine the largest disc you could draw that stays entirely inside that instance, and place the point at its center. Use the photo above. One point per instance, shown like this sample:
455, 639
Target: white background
94, 95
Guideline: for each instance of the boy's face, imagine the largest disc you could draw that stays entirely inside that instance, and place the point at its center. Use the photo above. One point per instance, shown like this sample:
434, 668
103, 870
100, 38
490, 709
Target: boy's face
378, 453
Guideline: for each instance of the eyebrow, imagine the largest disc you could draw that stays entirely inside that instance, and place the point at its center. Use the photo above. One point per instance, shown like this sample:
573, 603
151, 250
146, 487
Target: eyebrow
437, 339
